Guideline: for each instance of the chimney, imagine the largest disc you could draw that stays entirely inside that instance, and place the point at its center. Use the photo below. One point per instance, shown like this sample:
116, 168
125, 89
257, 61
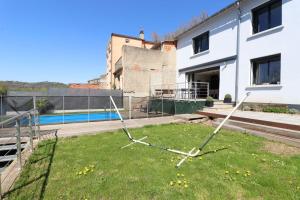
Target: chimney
142, 35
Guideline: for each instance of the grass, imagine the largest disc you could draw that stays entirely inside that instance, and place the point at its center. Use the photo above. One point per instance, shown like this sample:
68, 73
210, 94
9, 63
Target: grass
94, 167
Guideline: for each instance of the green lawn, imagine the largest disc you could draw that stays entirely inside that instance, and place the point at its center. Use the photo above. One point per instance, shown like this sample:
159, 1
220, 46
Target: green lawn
94, 167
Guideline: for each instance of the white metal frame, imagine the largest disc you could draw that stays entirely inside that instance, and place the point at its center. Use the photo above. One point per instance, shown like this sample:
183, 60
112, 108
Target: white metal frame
192, 153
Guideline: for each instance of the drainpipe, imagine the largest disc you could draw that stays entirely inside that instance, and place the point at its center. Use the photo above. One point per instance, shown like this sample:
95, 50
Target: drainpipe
237, 52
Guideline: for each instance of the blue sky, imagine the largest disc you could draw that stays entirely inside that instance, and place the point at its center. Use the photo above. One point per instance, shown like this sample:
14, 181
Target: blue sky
65, 40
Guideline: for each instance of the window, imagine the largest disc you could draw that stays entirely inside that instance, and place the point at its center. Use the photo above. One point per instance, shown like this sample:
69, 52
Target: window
201, 43
267, 16
266, 70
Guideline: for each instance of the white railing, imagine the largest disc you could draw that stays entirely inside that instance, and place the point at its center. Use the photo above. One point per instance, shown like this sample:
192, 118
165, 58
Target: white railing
185, 90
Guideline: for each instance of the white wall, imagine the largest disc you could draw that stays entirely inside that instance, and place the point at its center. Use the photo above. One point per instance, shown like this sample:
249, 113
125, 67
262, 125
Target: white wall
284, 40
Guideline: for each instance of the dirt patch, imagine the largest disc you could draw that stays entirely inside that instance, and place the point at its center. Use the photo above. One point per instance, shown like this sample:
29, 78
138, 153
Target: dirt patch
281, 149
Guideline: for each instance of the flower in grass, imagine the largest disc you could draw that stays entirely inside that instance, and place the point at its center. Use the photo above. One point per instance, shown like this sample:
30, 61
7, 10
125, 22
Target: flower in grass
226, 172
171, 183
237, 172
200, 158
179, 182
178, 175
186, 185
298, 187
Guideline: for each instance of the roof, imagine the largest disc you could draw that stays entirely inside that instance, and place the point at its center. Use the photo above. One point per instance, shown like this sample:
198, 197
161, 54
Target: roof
210, 17
131, 37
208, 64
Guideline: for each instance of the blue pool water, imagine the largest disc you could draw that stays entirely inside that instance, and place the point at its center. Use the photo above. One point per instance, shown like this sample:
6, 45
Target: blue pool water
72, 118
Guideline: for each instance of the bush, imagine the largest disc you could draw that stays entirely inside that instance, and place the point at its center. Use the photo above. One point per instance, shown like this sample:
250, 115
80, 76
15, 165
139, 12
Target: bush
209, 101
227, 96
3, 90
273, 109
43, 106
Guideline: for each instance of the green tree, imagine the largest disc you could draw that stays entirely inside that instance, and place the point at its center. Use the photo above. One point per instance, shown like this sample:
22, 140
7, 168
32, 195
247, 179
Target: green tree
3, 90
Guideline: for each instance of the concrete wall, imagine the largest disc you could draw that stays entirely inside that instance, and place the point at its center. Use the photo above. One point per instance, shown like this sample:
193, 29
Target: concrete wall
223, 32
114, 52
143, 68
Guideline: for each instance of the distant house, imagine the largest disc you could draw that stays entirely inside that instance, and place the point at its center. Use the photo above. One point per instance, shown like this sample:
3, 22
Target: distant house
101, 82
84, 86
114, 51
249, 46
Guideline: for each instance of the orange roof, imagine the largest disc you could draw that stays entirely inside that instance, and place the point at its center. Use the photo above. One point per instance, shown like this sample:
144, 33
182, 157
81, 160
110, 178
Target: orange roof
84, 86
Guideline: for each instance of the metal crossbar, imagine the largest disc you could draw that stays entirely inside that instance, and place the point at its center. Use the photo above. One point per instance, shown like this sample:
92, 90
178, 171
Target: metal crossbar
192, 153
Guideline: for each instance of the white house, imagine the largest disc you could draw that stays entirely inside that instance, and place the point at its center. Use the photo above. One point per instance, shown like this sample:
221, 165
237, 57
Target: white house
251, 45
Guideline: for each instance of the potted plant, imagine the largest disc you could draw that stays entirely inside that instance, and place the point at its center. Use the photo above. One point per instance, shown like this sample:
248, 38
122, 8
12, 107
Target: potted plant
209, 101
227, 98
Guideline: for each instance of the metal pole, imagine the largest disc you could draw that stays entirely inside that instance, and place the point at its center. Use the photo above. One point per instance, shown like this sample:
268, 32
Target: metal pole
195, 90
63, 98
18, 142
38, 126
0, 187
35, 115
162, 105
148, 107
109, 109
207, 89
129, 102
1, 112
209, 137
30, 131
88, 108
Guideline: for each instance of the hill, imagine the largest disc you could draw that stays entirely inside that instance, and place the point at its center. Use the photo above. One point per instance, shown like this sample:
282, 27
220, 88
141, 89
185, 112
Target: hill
28, 86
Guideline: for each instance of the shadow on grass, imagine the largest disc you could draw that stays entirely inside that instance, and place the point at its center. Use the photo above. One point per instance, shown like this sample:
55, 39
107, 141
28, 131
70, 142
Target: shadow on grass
34, 177
210, 152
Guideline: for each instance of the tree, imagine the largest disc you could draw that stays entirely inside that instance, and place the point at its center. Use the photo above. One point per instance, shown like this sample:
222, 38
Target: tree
155, 37
193, 22
3, 90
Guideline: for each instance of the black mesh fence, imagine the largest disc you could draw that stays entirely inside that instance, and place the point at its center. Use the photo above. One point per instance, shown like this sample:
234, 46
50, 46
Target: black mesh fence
68, 109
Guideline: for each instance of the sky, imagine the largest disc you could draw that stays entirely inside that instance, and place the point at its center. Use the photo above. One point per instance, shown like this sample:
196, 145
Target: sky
65, 40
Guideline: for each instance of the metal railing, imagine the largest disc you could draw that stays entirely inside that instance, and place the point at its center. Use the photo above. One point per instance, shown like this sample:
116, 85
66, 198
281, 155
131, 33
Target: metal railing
185, 90
17, 133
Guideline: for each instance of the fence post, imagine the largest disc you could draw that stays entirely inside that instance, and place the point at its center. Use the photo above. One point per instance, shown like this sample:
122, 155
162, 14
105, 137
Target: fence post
129, 102
18, 142
1, 111
30, 131
207, 89
89, 108
35, 115
0, 186
63, 98
162, 105
109, 109
148, 107
196, 91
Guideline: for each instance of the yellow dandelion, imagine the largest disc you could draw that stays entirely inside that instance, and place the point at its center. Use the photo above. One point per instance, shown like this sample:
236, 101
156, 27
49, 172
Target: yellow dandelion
186, 186
178, 175
226, 172
200, 158
237, 171
179, 182
171, 183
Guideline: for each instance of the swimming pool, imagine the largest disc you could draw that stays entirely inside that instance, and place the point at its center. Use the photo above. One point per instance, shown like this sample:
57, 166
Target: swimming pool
73, 118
